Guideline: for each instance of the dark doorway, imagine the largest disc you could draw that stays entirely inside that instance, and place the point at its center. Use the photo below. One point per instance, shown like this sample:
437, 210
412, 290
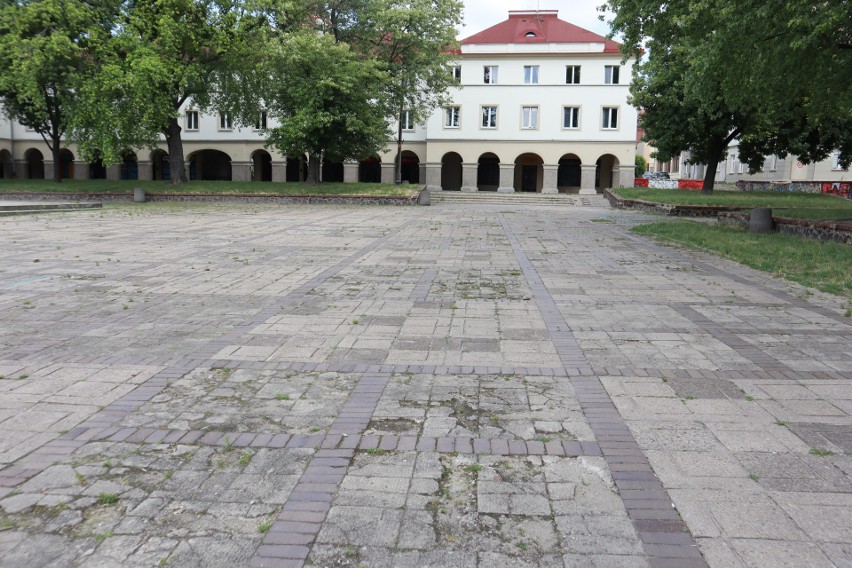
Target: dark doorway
529, 177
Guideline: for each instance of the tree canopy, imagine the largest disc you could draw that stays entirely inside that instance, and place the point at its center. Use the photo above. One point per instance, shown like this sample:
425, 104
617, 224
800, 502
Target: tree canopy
329, 101
44, 63
414, 41
160, 55
771, 73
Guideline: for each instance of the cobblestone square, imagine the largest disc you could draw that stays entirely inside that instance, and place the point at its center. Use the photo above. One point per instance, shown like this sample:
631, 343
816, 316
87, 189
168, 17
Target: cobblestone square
455, 385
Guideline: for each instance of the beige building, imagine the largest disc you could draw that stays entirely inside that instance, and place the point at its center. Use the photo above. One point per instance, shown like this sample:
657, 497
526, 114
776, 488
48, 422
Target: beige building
541, 107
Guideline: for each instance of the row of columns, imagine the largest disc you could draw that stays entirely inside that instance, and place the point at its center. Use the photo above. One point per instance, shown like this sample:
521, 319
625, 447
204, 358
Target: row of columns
621, 176
431, 172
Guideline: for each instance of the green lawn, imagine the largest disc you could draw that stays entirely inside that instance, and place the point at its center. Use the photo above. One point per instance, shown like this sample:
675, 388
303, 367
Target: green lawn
824, 266
839, 214
789, 201
205, 187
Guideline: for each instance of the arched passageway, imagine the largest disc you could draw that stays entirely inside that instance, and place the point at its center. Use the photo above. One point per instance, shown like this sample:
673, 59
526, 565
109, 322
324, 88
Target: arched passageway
160, 167
604, 171
210, 165
529, 173
488, 172
129, 166
66, 164
451, 172
296, 169
569, 173
35, 164
332, 170
261, 166
97, 170
370, 170
410, 170
5, 164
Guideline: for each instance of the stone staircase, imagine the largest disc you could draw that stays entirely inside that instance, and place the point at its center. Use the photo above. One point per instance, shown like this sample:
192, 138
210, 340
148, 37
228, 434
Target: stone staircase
29, 207
517, 199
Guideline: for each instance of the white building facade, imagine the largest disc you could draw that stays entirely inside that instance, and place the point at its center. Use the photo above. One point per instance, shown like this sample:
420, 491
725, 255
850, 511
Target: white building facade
541, 107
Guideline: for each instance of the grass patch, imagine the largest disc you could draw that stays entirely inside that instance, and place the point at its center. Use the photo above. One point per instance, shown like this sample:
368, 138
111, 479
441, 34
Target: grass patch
819, 452
820, 265
107, 499
776, 200
206, 187
836, 215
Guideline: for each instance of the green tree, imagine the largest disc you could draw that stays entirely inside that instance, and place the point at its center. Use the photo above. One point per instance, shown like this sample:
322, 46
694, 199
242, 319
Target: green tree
771, 73
328, 100
43, 61
414, 40
641, 165
162, 54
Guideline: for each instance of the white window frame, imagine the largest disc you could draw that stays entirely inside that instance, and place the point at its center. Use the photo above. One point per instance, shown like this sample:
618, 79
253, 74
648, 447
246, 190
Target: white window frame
774, 166
531, 73
452, 117
576, 116
490, 74
190, 127
532, 112
407, 121
456, 72
482, 117
607, 118
835, 166
262, 121
225, 122
574, 72
612, 74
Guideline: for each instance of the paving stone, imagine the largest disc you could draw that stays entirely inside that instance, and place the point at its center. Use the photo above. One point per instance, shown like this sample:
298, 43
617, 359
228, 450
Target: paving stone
523, 387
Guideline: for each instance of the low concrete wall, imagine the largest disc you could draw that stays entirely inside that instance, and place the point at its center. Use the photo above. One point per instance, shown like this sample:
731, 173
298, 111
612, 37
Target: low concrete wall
841, 188
817, 230
673, 210
216, 198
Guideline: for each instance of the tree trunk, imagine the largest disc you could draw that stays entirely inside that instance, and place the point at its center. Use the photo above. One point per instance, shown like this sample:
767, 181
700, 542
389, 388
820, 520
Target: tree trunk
709, 176
177, 166
55, 147
313, 169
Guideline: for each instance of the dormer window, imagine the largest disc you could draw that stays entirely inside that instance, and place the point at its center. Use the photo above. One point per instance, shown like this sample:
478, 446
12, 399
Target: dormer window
529, 34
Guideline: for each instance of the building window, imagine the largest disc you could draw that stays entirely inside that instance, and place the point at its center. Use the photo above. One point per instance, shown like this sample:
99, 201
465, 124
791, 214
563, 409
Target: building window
407, 120
489, 117
572, 75
609, 118
456, 72
571, 117
225, 122
192, 120
774, 166
261, 121
836, 165
451, 117
611, 74
530, 117
531, 74
675, 164
489, 76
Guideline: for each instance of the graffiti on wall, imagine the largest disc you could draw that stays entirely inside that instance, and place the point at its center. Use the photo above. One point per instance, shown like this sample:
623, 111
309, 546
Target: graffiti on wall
844, 189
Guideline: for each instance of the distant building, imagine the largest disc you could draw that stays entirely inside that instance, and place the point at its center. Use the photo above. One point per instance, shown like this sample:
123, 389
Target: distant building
542, 107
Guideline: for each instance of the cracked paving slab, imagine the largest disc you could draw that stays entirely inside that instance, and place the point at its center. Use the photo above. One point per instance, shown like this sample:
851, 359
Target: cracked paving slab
208, 385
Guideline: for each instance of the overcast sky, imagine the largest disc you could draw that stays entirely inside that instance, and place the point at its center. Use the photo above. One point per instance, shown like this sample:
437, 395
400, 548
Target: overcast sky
481, 14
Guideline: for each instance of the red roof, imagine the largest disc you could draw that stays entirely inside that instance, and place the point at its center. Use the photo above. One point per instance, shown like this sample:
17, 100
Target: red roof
543, 26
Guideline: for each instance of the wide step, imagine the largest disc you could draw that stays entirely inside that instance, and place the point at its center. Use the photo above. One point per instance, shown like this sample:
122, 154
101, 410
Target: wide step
518, 199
